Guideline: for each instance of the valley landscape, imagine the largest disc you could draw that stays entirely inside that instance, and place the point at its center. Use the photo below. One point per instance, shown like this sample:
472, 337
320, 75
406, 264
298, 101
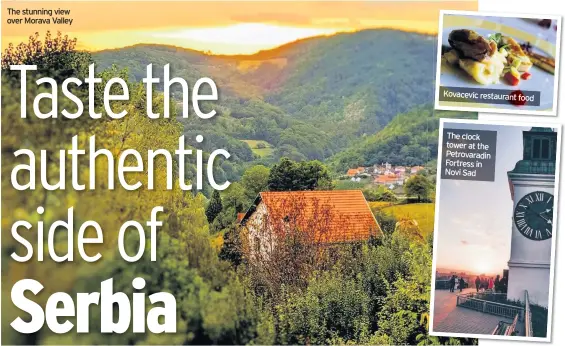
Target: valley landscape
294, 118
348, 100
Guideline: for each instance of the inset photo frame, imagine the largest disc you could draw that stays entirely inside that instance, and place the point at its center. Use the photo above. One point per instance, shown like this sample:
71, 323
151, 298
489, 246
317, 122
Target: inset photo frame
495, 225
498, 63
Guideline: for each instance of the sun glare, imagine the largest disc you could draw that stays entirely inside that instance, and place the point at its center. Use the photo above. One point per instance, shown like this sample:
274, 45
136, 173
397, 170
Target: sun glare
482, 266
249, 37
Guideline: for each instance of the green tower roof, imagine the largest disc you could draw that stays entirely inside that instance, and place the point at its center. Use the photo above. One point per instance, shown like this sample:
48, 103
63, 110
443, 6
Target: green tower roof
541, 129
539, 152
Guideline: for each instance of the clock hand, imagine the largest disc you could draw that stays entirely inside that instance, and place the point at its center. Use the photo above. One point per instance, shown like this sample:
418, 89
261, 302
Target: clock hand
540, 215
546, 219
547, 211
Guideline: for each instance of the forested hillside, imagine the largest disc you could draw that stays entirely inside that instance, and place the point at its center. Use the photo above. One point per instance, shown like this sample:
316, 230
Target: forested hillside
310, 99
409, 139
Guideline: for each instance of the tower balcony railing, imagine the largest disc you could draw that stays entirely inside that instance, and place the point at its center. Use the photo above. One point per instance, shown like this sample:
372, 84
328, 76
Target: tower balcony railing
485, 302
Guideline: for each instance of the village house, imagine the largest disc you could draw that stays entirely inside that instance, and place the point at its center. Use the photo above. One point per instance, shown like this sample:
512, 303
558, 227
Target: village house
416, 169
400, 170
327, 217
382, 168
388, 179
353, 172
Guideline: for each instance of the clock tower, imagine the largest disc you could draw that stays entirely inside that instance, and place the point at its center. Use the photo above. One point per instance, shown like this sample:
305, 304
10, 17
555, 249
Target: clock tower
532, 184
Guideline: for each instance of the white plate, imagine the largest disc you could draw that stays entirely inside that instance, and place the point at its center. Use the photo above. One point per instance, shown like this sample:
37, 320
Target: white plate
540, 80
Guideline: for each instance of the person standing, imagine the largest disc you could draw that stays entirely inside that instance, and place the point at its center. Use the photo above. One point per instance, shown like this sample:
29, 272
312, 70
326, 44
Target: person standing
497, 287
478, 283
504, 284
461, 284
452, 284
490, 284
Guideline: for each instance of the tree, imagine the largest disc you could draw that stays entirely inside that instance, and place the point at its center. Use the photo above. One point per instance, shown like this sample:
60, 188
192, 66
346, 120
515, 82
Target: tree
214, 207
418, 186
232, 248
289, 175
381, 194
255, 179
234, 197
386, 221
54, 56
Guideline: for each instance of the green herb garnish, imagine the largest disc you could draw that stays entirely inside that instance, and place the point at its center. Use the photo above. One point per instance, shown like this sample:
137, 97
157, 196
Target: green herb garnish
497, 38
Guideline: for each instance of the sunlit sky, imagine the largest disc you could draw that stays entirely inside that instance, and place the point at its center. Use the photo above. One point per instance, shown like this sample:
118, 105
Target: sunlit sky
475, 224
227, 27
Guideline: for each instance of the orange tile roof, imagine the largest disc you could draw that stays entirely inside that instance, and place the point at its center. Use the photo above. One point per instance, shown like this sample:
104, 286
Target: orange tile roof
351, 217
352, 172
386, 179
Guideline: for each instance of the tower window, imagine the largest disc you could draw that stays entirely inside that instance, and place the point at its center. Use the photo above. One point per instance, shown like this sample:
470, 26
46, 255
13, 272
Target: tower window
541, 149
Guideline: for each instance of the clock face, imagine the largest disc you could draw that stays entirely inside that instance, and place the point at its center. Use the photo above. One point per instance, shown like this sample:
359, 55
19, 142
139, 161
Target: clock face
533, 215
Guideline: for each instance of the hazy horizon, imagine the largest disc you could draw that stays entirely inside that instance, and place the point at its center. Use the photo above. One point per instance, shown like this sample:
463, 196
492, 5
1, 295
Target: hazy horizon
254, 53
225, 28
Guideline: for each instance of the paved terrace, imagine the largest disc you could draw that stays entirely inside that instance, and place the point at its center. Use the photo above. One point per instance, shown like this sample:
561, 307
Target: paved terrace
449, 318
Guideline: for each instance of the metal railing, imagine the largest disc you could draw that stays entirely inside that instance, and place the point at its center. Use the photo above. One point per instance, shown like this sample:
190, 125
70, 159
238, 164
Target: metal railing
528, 316
471, 301
442, 284
504, 328
510, 330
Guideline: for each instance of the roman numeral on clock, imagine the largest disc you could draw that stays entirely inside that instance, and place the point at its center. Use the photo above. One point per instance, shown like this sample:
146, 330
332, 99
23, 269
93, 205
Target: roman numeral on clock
548, 232
533, 215
521, 223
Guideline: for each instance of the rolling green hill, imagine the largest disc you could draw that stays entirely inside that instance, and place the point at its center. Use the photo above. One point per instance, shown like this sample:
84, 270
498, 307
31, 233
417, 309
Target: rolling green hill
350, 99
310, 99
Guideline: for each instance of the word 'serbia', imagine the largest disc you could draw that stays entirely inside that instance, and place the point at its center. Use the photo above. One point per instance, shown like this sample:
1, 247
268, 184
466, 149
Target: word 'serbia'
61, 307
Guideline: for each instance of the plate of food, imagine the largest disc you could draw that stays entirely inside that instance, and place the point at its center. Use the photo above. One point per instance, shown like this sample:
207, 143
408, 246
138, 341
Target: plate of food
475, 57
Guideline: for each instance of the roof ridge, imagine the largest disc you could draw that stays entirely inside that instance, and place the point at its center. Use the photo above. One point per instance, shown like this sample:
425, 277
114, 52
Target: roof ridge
311, 191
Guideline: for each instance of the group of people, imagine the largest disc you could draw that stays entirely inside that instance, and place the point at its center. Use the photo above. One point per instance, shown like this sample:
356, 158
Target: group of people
456, 284
497, 285
482, 284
